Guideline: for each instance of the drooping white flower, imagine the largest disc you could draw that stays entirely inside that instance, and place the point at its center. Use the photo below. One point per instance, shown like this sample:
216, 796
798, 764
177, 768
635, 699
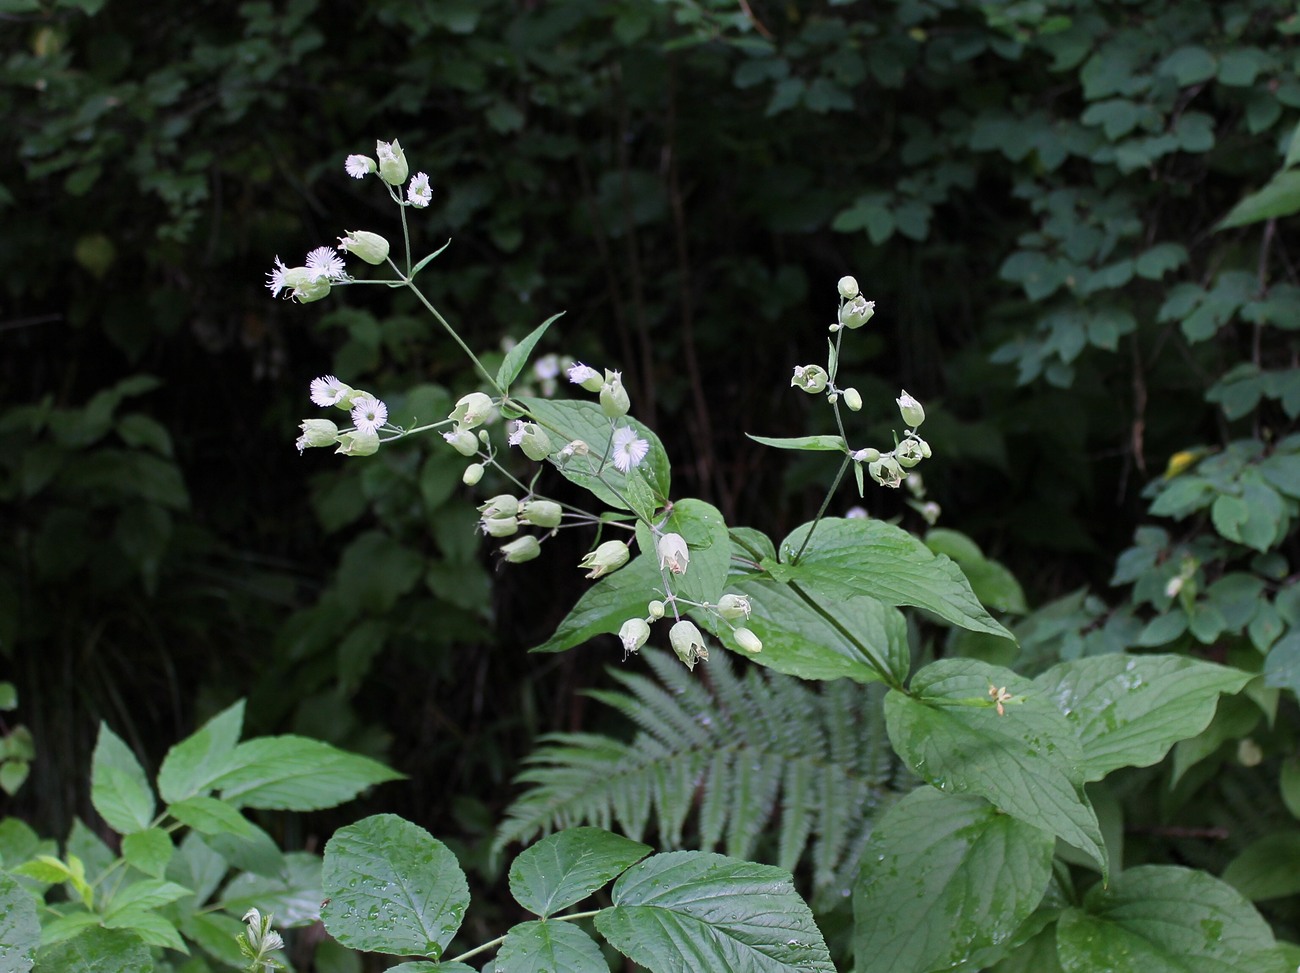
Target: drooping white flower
369, 413
325, 264
275, 279
586, 376
516, 432
628, 450
359, 166
328, 390
418, 192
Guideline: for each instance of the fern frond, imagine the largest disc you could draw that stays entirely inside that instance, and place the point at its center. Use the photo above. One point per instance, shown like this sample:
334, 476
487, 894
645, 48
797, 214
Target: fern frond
750, 757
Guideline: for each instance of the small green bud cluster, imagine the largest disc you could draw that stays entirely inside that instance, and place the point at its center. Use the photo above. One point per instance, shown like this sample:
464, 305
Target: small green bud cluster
503, 516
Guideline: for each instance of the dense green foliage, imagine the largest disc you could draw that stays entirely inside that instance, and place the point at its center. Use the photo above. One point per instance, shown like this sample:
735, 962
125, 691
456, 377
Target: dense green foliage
1073, 216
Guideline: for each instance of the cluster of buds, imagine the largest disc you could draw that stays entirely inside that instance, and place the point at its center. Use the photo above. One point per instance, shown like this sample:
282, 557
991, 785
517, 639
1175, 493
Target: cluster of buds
369, 416
393, 170
258, 942
614, 400
471, 411
503, 516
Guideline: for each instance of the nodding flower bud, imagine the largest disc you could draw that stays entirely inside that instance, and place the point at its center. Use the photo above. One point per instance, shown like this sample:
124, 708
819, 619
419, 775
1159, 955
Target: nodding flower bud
370, 247
541, 513
361, 442
848, 288
532, 439
500, 526
472, 410
575, 448
462, 440
317, 432
868, 455
810, 378
586, 376
886, 472
614, 401
673, 553
633, 635
392, 162
857, 312
609, 556
748, 641
912, 412
655, 609
473, 473
688, 643
732, 607
908, 452
501, 506
853, 399
521, 549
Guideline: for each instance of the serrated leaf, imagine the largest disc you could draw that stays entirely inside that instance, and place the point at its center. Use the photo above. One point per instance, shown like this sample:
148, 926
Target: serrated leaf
687, 911
217, 934
531, 947
192, 764
119, 788
848, 557
1129, 710
293, 896
701, 525
567, 867
293, 773
605, 606
207, 815
933, 858
20, 927
811, 443
1026, 762
1166, 919
392, 888
149, 851
517, 357
149, 893
99, 951
153, 928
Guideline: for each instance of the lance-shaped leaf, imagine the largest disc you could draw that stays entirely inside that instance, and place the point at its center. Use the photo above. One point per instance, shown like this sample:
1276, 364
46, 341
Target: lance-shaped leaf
606, 605
567, 867
191, 765
118, 786
1166, 919
392, 888
848, 557
1128, 710
20, 927
293, 773
532, 947
701, 525
687, 911
517, 357
1027, 761
816, 443
945, 878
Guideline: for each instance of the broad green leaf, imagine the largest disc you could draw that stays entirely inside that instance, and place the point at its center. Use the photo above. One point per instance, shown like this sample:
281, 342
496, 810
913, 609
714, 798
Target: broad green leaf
813, 443
1282, 665
191, 765
68, 926
99, 951
944, 879
992, 583
1268, 868
424, 966
152, 927
701, 525
118, 786
149, 851
1128, 710
1166, 919
1027, 761
532, 947
1038, 955
568, 867
392, 888
217, 934
149, 893
687, 911
294, 896
20, 927
1280, 196
605, 606
207, 815
256, 852
848, 557
293, 773
517, 356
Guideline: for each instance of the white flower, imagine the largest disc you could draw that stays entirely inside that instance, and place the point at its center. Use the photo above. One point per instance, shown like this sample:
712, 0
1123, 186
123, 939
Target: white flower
628, 450
325, 264
547, 367
359, 166
369, 414
580, 374
673, 553
327, 390
516, 432
275, 279
418, 192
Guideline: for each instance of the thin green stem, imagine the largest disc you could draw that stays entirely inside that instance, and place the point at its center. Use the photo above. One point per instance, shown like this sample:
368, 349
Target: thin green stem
844, 467
494, 943
889, 678
452, 331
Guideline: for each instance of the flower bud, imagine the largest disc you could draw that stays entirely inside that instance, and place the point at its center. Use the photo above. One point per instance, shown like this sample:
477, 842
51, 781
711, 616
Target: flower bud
500, 526
609, 556
575, 448
360, 442
688, 643
317, 432
673, 553
655, 609
614, 401
833, 397
810, 378
392, 162
734, 606
633, 634
370, 247
857, 312
501, 506
532, 439
305, 285
748, 641
521, 549
462, 440
908, 452
868, 455
886, 472
472, 410
848, 288
910, 409
541, 513
473, 473
586, 376
853, 399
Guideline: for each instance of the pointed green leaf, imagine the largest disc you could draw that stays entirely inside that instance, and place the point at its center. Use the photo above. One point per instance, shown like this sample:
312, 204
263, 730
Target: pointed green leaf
848, 557
605, 606
1280, 196
812, 443
1027, 762
392, 888
424, 966
99, 951
687, 911
701, 525
1166, 919
532, 947
256, 852
191, 765
1268, 868
118, 786
569, 866
517, 357
425, 261
1129, 710
207, 815
20, 927
217, 933
945, 879
153, 928
293, 773
149, 851
149, 893
293, 896
1037, 955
